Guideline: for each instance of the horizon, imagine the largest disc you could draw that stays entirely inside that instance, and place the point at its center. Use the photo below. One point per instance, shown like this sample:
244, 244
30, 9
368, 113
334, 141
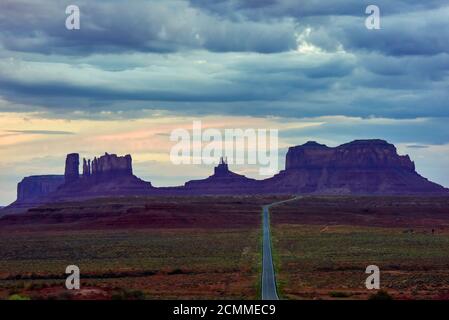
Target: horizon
220, 159
311, 71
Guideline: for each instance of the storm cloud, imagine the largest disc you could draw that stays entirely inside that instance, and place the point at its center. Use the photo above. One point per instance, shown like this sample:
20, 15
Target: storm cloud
285, 59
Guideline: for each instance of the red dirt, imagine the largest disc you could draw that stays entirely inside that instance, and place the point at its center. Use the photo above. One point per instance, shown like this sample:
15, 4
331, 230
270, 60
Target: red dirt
143, 213
408, 212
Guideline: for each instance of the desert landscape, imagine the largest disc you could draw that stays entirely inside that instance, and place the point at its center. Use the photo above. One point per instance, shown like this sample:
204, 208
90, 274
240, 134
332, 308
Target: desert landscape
332, 212
210, 247
253, 151
135, 248
324, 244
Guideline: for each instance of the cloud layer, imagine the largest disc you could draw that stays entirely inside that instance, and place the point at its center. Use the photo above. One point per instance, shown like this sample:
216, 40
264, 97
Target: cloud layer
293, 61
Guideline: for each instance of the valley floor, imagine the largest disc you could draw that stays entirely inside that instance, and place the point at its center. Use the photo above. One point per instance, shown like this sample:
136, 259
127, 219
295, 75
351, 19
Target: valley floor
143, 248
324, 244
210, 248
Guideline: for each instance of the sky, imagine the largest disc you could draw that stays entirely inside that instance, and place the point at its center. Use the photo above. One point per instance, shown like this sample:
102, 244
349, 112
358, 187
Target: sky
137, 70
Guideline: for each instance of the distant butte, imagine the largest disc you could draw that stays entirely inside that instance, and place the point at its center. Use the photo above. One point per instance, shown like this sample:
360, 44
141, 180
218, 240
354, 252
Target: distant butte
360, 167
366, 167
223, 181
108, 175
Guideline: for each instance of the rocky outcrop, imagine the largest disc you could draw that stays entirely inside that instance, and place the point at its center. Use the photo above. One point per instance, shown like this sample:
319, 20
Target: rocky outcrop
223, 181
108, 165
363, 167
33, 189
72, 163
108, 175
359, 154
111, 164
358, 167
86, 168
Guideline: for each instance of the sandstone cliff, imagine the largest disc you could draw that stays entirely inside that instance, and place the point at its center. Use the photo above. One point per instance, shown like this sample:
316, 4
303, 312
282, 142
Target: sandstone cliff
363, 167
108, 175
358, 167
359, 154
223, 181
33, 189
72, 163
111, 164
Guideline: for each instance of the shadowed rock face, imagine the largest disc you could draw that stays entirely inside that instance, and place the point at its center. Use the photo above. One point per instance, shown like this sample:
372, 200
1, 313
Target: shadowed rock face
359, 154
358, 167
31, 189
370, 167
223, 181
110, 165
108, 175
72, 163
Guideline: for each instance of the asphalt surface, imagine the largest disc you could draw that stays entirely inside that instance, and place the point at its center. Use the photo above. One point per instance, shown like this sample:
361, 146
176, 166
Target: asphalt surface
269, 287
269, 290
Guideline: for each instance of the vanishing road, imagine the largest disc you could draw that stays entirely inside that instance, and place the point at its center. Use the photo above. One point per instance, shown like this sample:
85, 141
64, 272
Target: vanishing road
269, 291
269, 288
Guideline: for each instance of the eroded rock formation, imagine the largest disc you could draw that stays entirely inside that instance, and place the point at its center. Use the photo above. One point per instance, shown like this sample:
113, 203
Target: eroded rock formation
32, 189
108, 175
361, 154
86, 168
72, 163
223, 181
111, 164
358, 167
366, 167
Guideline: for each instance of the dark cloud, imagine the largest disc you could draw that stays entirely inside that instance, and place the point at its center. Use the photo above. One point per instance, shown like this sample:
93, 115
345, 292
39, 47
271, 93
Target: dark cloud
207, 57
408, 27
262, 9
145, 26
416, 132
405, 34
220, 79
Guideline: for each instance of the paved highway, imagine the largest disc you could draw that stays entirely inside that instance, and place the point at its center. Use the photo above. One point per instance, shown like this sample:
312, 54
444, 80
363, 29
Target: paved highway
269, 288
269, 291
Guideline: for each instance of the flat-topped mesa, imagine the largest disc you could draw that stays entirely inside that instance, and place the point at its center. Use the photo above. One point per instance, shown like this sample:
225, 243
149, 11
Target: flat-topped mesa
358, 167
32, 189
358, 154
110, 164
367, 167
108, 175
310, 154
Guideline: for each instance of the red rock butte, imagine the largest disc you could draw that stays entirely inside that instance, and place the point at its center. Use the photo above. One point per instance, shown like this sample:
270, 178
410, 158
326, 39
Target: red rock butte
366, 167
360, 167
